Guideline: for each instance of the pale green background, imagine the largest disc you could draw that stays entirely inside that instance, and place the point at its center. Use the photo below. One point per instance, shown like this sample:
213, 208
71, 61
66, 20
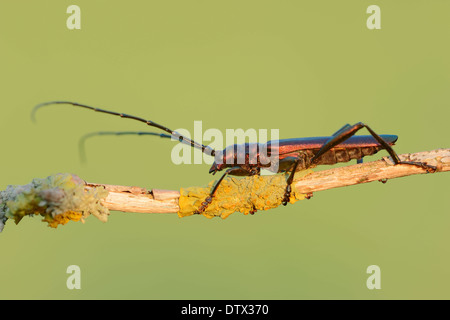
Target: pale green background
304, 67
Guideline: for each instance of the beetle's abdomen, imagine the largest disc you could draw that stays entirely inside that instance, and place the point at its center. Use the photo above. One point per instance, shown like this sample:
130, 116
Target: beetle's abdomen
344, 155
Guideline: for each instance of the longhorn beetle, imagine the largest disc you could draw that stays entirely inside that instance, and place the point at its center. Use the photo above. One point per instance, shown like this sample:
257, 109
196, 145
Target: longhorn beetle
293, 154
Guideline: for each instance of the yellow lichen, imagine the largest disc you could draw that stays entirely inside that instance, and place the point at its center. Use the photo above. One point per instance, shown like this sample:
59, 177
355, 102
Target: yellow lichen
244, 195
62, 218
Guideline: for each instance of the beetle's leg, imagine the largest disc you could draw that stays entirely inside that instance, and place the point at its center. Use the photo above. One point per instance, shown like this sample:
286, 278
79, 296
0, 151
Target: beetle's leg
301, 157
234, 171
347, 131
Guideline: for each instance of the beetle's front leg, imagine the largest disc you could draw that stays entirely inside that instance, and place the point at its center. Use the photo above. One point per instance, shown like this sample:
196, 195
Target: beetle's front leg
234, 171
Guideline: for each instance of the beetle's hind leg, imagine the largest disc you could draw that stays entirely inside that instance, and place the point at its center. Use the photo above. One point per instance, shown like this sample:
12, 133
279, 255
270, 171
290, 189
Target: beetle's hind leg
347, 131
340, 136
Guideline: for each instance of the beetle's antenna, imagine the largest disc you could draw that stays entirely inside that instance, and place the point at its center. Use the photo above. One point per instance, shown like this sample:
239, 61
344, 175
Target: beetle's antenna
205, 149
81, 143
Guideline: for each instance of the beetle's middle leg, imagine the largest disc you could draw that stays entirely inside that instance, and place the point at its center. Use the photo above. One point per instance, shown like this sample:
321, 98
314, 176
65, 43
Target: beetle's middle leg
291, 164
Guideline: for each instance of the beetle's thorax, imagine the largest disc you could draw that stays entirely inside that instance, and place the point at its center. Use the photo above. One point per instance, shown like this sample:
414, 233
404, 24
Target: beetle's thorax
248, 156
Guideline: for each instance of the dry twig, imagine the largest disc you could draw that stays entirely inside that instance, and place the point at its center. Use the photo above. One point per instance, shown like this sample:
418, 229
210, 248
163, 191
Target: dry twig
64, 197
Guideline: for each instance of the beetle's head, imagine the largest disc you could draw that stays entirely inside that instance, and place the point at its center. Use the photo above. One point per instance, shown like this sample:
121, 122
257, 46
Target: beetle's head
219, 162
214, 168
217, 167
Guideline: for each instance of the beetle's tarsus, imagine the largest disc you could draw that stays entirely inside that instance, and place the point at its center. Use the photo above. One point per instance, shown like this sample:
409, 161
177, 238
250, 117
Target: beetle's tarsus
204, 205
287, 195
423, 165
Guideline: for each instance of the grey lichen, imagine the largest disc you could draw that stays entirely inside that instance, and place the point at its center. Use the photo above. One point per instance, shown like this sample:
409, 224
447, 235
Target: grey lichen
58, 198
